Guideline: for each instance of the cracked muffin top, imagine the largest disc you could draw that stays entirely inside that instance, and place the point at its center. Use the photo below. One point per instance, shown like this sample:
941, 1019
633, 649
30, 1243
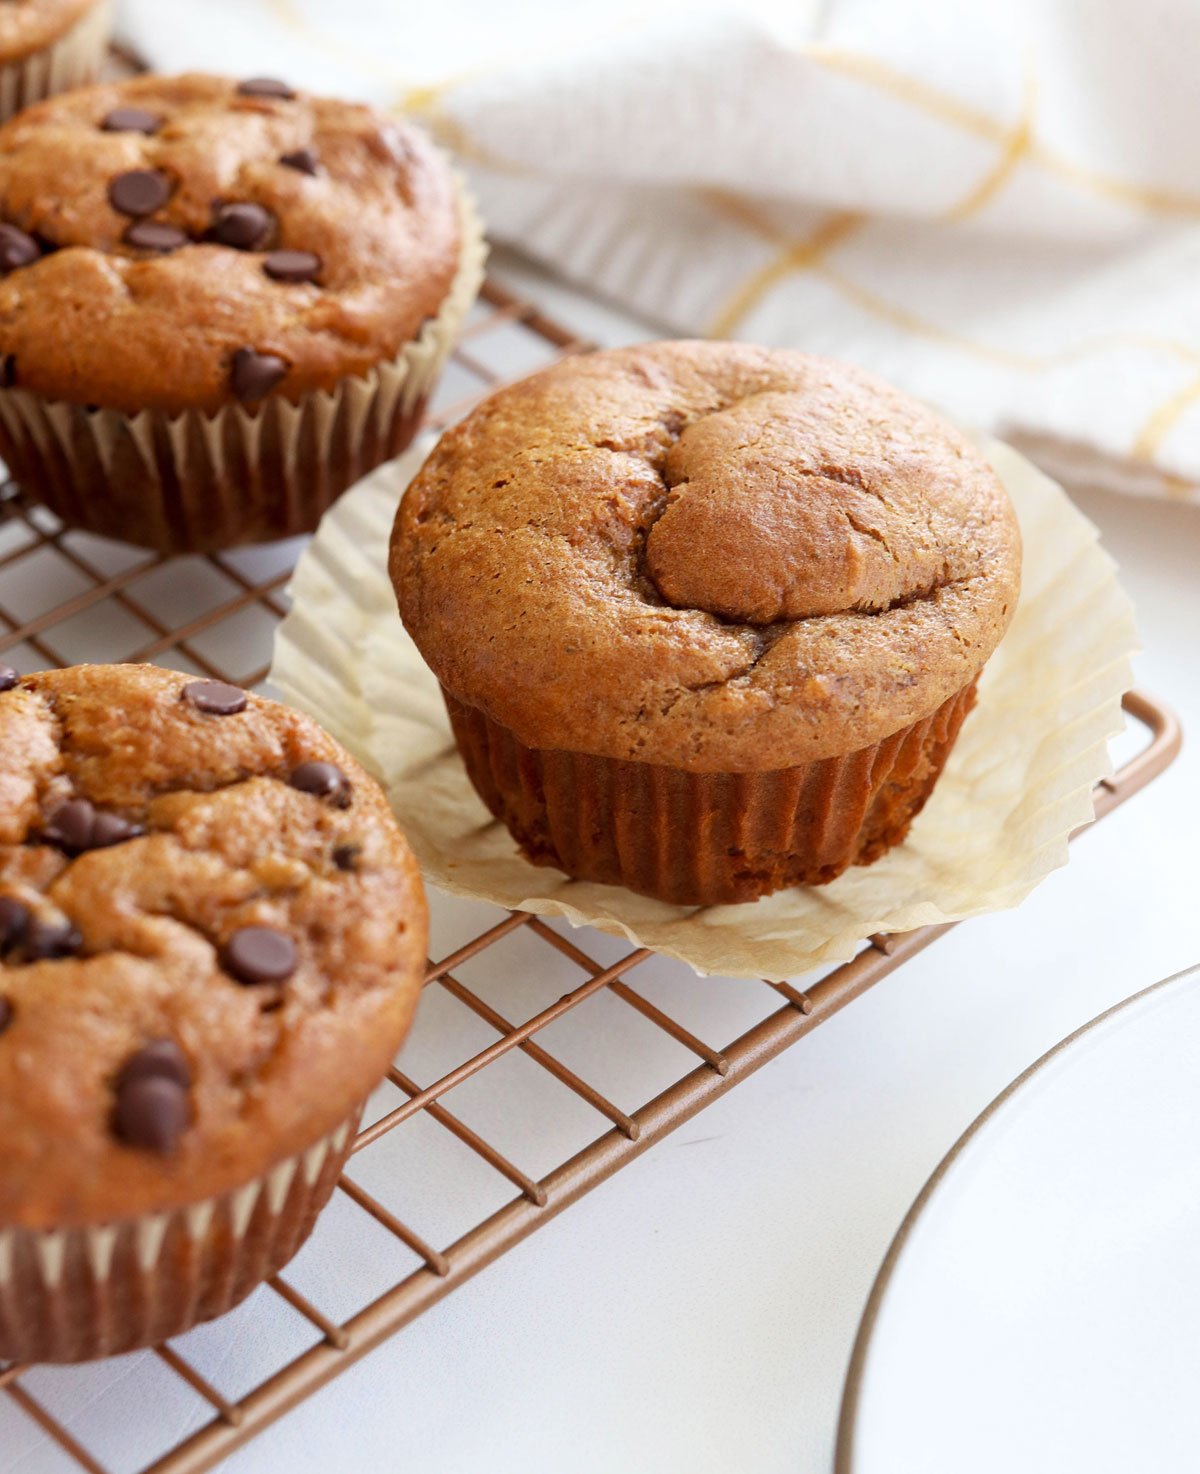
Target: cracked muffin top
705, 555
28, 25
212, 939
177, 243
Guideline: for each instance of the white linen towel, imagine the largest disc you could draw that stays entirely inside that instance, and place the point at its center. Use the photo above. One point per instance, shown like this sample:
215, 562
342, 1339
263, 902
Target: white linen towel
996, 206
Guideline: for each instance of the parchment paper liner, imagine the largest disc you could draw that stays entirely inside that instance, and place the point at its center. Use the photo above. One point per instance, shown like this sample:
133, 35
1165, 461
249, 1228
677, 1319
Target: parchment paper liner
1018, 782
70, 61
75, 1294
193, 482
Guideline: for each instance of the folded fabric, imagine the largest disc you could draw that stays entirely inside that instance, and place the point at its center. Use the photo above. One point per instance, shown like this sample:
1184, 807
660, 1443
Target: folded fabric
997, 207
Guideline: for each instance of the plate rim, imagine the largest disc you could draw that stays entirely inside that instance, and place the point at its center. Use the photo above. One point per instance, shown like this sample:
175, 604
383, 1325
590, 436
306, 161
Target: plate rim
851, 1401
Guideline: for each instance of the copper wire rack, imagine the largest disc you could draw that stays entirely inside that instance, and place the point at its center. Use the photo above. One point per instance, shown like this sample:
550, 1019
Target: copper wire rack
67, 597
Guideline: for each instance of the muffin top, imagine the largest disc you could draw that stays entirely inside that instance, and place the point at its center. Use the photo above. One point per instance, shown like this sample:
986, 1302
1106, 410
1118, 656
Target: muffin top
178, 243
705, 555
212, 939
28, 25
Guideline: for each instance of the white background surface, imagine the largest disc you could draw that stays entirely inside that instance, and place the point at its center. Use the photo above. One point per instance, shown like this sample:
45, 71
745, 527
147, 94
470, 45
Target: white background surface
697, 1312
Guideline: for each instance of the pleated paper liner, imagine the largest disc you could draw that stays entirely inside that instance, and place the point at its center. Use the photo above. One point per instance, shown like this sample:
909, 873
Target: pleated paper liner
194, 482
1018, 781
73, 59
78, 1293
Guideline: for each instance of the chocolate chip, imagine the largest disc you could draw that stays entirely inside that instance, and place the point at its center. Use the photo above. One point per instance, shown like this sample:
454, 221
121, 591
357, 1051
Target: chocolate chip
304, 159
16, 248
151, 1112
8, 677
260, 954
255, 374
215, 698
244, 227
153, 235
49, 940
76, 826
8, 380
14, 918
6, 1014
323, 780
132, 120
139, 192
162, 1058
292, 266
345, 856
70, 826
265, 87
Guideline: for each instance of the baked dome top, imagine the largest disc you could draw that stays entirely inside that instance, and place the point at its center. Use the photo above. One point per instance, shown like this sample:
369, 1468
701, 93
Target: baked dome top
28, 25
706, 555
194, 882
159, 229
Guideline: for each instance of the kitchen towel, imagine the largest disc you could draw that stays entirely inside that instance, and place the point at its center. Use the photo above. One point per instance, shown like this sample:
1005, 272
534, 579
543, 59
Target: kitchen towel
996, 206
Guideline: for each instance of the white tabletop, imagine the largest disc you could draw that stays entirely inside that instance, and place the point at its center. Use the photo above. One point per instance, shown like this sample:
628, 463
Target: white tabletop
697, 1312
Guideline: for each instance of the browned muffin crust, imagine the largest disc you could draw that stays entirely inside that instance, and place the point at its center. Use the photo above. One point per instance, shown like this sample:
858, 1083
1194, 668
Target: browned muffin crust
28, 25
705, 555
229, 842
133, 304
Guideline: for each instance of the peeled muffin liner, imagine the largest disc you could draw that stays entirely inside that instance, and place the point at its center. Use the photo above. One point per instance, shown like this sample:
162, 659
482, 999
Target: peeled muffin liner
194, 482
75, 1294
706, 839
69, 61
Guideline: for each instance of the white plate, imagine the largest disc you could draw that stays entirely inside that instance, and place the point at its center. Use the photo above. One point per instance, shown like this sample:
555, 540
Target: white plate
1039, 1309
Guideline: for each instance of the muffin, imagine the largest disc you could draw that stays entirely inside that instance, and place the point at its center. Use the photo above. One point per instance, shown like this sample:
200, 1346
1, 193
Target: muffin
221, 303
212, 939
707, 618
48, 46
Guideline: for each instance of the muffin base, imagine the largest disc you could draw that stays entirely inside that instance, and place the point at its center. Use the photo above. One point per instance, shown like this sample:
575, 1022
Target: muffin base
200, 483
80, 1293
706, 839
69, 61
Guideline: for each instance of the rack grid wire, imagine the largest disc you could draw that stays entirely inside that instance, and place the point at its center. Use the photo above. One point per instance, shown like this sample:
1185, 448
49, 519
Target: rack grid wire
66, 597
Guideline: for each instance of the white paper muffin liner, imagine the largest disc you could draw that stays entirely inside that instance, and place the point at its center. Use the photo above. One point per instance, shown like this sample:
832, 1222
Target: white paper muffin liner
194, 482
70, 61
74, 1294
1018, 782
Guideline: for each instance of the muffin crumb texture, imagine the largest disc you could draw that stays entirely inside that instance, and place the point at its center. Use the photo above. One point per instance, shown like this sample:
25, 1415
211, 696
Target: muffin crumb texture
195, 983
182, 243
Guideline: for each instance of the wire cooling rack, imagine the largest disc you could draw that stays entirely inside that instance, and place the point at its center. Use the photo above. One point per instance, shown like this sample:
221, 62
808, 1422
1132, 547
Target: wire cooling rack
67, 597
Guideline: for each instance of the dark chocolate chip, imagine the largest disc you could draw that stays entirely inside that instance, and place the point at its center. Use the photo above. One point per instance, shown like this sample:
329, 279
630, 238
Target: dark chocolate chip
110, 829
48, 940
266, 87
304, 159
8, 380
323, 780
70, 826
215, 698
139, 192
260, 954
255, 374
154, 235
16, 248
292, 266
151, 1112
244, 227
14, 918
345, 856
8, 678
132, 120
162, 1058
6, 1014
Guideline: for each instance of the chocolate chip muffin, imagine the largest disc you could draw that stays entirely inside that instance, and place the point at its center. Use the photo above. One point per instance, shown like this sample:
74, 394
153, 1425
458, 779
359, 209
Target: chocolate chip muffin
707, 618
212, 939
48, 46
221, 303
